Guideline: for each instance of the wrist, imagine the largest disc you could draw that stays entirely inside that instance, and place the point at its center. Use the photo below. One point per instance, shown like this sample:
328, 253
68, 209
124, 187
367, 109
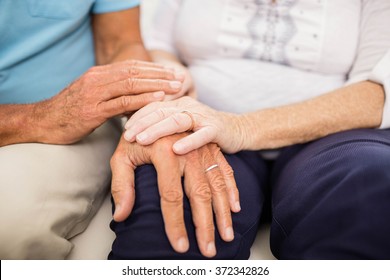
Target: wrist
245, 131
16, 125
236, 136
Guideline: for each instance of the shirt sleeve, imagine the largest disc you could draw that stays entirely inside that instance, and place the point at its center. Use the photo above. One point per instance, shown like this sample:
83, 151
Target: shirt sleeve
373, 55
160, 34
107, 6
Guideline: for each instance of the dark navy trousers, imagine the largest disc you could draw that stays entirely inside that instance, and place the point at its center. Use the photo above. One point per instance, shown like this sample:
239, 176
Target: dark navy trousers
330, 199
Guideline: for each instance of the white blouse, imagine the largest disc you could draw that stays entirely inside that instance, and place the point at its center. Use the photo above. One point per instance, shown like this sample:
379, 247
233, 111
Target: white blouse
247, 55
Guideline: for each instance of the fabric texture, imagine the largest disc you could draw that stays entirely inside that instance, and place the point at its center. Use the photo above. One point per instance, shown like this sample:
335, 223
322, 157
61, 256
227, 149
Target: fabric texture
45, 45
49, 193
330, 198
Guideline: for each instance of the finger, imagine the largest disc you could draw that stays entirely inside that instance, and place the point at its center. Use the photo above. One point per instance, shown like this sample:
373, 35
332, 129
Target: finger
175, 123
129, 64
134, 86
122, 187
221, 205
194, 141
147, 110
115, 75
228, 175
125, 104
138, 63
171, 192
153, 119
199, 194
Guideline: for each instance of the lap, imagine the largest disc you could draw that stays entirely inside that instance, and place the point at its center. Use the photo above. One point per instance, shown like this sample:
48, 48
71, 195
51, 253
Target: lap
50, 192
331, 197
142, 235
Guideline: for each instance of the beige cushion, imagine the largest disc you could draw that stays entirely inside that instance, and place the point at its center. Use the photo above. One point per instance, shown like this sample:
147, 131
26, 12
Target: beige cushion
49, 193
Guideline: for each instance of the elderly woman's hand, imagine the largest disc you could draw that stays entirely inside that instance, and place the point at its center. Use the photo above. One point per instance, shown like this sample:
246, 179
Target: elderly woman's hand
187, 89
208, 183
160, 119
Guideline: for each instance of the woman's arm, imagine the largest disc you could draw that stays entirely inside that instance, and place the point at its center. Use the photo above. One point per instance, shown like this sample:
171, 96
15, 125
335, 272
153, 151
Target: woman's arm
355, 106
358, 105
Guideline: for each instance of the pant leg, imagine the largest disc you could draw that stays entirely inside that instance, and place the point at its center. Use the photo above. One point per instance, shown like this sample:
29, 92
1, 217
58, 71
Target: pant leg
331, 198
49, 193
142, 235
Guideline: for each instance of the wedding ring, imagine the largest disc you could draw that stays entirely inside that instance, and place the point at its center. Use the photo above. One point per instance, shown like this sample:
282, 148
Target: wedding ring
211, 167
191, 128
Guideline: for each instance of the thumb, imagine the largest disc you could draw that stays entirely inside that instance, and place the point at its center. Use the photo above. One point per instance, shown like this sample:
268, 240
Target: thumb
122, 188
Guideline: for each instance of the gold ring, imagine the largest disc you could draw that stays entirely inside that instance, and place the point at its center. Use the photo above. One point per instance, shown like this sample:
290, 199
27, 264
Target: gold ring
191, 128
211, 168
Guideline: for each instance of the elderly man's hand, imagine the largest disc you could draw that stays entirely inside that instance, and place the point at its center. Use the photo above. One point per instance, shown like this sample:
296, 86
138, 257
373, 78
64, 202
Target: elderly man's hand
207, 191
101, 93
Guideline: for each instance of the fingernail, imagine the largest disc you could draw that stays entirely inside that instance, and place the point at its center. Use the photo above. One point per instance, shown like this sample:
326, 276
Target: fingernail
178, 147
158, 94
210, 248
142, 136
179, 75
182, 245
175, 84
237, 206
229, 233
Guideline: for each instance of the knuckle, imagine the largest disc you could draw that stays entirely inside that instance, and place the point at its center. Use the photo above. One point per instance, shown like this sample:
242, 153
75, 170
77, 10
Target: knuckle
168, 74
228, 171
134, 71
218, 185
116, 159
172, 196
160, 84
164, 145
113, 160
125, 102
208, 226
117, 191
131, 84
160, 113
202, 192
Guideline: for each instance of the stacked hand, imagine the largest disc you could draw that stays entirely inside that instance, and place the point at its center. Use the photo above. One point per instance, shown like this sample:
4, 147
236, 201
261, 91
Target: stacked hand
160, 119
208, 183
101, 93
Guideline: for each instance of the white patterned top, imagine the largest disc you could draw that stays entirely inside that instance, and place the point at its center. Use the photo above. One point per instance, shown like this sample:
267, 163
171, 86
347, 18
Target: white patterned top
247, 55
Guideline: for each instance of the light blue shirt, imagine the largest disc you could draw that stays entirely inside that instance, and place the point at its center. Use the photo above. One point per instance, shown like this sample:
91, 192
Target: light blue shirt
46, 44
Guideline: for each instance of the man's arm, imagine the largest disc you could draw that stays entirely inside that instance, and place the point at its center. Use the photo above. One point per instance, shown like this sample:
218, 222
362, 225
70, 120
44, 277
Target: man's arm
117, 37
101, 93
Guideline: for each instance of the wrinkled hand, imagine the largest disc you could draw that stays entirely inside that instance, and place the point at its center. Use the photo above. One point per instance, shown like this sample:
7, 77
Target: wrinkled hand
101, 93
207, 191
187, 89
160, 119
